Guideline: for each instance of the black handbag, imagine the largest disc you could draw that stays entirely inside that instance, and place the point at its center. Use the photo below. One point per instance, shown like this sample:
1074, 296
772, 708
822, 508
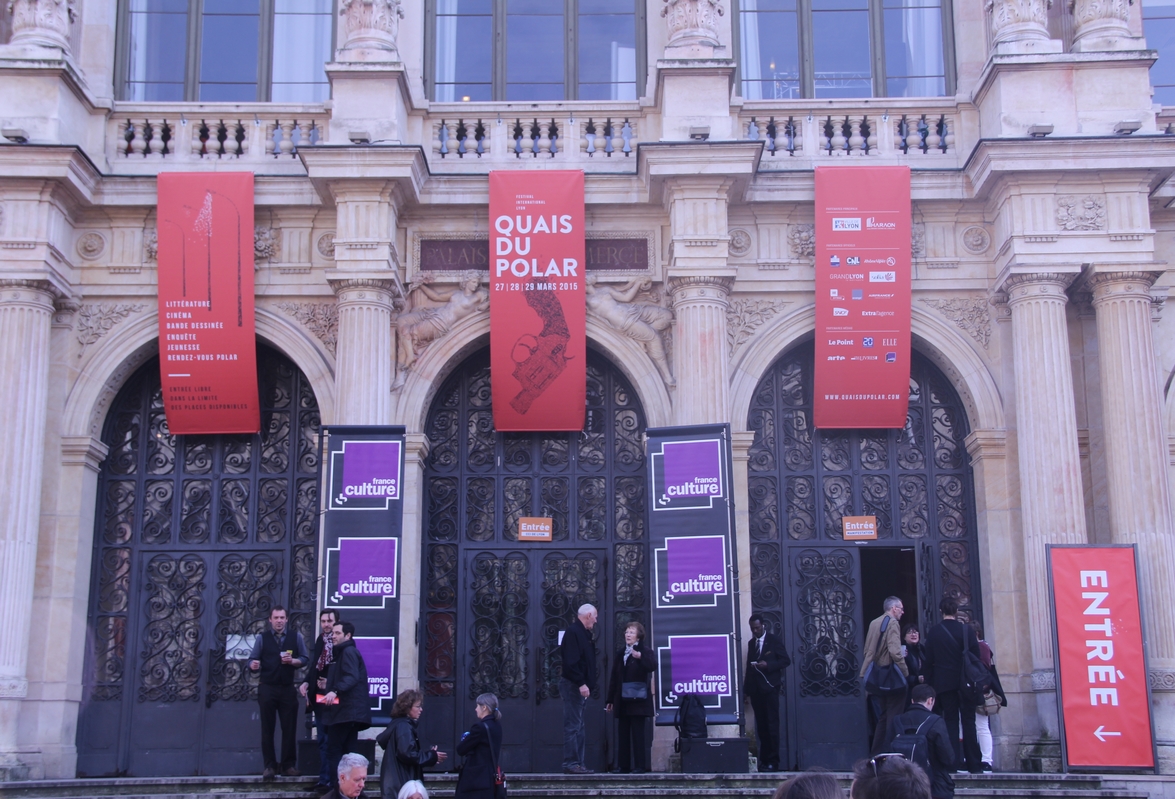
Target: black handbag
634, 690
884, 680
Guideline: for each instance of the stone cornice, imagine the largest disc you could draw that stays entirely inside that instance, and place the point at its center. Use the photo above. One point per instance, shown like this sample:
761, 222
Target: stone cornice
86, 451
402, 165
27, 60
1041, 62
658, 162
66, 165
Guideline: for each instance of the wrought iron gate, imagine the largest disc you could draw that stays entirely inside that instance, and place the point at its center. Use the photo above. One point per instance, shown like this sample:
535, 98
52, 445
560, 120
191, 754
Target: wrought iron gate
805, 580
196, 538
494, 606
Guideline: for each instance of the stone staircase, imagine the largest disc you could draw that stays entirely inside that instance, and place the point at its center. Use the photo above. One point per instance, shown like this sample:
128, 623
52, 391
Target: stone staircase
734, 786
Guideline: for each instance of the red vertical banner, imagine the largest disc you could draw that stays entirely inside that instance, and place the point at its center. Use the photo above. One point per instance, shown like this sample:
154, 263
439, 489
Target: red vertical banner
538, 319
1101, 658
863, 275
207, 342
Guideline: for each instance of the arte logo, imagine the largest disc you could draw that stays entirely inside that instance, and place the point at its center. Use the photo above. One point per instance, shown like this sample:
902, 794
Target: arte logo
846, 223
883, 277
361, 572
365, 475
691, 571
877, 224
695, 664
688, 474
840, 311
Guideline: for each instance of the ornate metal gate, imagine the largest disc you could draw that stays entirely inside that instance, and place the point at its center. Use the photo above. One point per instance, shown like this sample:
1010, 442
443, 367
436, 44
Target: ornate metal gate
806, 581
494, 606
196, 537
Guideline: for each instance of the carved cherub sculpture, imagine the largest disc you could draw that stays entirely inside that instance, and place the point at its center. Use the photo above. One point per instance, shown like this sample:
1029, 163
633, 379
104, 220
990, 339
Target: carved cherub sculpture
424, 324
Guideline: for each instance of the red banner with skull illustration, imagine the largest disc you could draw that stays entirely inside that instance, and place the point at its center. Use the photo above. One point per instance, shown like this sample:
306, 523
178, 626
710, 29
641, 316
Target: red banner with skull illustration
538, 320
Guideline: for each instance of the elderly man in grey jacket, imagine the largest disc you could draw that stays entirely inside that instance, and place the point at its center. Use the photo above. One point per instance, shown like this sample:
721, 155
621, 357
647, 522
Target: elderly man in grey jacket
886, 631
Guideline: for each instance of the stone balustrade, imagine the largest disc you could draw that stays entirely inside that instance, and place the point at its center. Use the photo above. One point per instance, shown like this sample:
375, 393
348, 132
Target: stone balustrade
606, 142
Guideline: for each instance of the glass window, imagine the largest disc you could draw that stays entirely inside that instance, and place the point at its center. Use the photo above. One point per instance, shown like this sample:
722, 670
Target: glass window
227, 50
550, 50
791, 49
1159, 27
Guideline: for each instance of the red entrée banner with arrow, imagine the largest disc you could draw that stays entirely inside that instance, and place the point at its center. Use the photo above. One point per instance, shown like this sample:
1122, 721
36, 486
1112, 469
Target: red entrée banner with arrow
1101, 658
538, 319
207, 344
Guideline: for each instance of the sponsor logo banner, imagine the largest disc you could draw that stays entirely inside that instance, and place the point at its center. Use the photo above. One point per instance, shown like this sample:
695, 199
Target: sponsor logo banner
862, 221
695, 618
379, 655
365, 475
538, 316
207, 342
361, 530
1103, 691
696, 664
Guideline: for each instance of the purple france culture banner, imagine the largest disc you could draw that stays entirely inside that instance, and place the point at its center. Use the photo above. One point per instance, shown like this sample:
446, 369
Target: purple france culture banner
360, 484
694, 620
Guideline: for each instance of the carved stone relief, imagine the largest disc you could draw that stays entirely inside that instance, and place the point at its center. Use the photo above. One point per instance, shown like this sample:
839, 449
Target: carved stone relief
326, 245
96, 320
265, 243
745, 316
643, 322
371, 24
91, 246
918, 240
1018, 20
692, 21
970, 314
320, 318
801, 240
1081, 213
976, 240
42, 22
740, 242
150, 244
422, 325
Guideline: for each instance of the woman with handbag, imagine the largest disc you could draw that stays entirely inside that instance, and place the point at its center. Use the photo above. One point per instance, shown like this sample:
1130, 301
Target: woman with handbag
481, 747
993, 700
630, 697
404, 760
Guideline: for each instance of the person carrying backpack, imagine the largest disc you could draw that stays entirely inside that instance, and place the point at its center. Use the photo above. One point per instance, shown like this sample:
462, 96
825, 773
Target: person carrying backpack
947, 645
921, 737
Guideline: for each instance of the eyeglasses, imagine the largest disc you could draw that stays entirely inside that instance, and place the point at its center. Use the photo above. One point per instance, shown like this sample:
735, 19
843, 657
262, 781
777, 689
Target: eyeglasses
880, 759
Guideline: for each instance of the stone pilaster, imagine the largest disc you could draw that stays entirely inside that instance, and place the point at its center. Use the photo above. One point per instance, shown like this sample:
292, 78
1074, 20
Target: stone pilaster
1136, 457
700, 349
26, 314
365, 354
412, 537
1051, 499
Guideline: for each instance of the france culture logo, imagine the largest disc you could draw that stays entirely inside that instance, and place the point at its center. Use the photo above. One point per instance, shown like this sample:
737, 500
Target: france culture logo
695, 664
361, 572
369, 477
691, 571
687, 475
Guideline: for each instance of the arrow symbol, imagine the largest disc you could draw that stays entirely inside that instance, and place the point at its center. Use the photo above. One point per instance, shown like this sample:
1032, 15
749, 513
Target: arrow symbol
672, 697
336, 597
664, 499
340, 499
1101, 733
667, 597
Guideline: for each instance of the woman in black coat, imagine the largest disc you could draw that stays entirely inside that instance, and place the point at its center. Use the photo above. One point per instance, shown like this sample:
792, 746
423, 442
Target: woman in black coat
404, 760
348, 705
632, 665
481, 747
915, 655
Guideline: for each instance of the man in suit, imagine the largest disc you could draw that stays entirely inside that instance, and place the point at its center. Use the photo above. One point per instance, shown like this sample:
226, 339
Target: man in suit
883, 648
766, 660
945, 644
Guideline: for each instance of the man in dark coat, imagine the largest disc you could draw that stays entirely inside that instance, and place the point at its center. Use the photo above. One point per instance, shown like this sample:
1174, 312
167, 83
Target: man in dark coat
277, 653
347, 698
766, 660
576, 685
941, 753
945, 644
315, 685
350, 777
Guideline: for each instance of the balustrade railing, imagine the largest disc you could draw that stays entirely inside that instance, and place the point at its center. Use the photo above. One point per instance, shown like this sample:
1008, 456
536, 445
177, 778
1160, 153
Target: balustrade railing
608, 141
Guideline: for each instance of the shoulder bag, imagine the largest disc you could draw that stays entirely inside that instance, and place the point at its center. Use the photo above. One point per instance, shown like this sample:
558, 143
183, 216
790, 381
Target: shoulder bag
884, 680
499, 775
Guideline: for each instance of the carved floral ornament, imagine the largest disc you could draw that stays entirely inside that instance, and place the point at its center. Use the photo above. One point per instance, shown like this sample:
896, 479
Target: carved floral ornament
320, 318
970, 314
96, 320
1104, 17
740, 242
801, 240
265, 243
91, 245
692, 21
1081, 213
42, 22
1018, 20
371, 24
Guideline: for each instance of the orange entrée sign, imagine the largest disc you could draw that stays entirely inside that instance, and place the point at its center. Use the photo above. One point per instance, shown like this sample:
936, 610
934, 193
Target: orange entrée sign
859, 528
537, 528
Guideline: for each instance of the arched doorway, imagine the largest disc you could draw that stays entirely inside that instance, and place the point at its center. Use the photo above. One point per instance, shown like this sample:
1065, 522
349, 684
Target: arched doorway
195, 539
819, 591
493, 607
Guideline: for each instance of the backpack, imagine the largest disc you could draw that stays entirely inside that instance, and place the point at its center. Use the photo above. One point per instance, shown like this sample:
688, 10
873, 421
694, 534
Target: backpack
913, 745
690, 719
975, 681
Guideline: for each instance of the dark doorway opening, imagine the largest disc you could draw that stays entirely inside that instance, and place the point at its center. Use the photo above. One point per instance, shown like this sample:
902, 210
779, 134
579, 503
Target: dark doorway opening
886, 572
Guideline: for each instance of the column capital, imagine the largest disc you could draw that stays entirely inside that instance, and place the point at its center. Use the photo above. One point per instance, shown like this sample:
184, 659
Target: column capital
86, 451
690, 287
416, 446
353, 290
987, 444
1115, 285
39, 293
44, 23
1023, 286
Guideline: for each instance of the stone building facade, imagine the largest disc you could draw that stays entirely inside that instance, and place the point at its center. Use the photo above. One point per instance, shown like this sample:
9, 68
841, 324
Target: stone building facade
1042, 237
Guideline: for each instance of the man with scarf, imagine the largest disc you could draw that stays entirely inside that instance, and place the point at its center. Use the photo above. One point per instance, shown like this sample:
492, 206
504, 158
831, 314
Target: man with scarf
320, 659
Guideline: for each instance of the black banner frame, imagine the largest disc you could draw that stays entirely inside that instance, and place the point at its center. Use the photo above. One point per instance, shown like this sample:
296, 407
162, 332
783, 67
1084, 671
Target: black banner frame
698, 611
356, 515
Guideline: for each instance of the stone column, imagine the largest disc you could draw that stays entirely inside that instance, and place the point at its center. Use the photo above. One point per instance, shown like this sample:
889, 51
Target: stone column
365, 355
1020, 26
1136, 446
1051, 500
1103, 25
412, 542
42, 23
700, 349
371, 25
26, 313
